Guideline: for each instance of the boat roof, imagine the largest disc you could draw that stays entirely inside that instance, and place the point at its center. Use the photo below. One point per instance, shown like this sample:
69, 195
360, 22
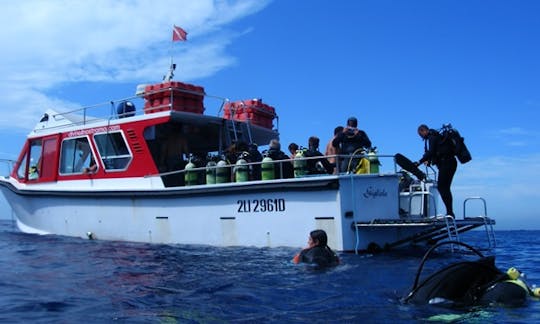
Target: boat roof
222, 130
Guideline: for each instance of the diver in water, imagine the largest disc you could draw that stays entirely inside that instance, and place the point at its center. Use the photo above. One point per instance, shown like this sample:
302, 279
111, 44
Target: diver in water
470, 283
317, 252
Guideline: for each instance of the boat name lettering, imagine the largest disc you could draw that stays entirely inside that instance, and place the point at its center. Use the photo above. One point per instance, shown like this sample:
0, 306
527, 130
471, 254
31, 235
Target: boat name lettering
374, 193
261, 205
93, 130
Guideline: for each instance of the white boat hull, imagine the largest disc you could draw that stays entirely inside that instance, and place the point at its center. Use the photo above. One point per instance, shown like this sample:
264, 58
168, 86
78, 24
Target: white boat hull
262, 214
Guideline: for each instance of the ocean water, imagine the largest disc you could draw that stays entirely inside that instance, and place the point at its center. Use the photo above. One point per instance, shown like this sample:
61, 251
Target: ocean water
52, 279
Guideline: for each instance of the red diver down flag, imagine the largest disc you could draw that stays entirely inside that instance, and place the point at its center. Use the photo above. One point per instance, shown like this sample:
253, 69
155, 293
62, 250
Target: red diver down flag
178, 34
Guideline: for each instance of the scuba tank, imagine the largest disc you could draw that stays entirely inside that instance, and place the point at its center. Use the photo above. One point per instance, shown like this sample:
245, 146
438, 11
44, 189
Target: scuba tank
363, 166
374, 162
211, 172
267, 169
190, 176
241, 170
518, 278
222, 172
514, 291
300, 164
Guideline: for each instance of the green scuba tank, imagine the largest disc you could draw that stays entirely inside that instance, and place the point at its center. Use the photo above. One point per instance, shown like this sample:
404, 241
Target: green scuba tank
300, 164
267, 169
241, 171
222, 172
190, 176
211, 172
374, 162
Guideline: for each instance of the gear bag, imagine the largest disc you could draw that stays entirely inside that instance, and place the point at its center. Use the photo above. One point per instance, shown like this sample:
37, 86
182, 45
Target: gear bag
448, 133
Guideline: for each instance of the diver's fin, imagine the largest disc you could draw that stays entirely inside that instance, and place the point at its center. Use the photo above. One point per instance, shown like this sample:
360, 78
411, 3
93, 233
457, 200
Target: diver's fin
408, 165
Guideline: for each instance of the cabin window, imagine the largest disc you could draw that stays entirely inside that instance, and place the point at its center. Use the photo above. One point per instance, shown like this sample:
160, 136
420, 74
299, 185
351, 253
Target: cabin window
21, 171
76, 156
35, 160
113, 150
34, 167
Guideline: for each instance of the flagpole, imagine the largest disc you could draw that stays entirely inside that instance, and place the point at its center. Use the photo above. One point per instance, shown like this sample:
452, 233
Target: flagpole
168, 77
171, 48
178, 35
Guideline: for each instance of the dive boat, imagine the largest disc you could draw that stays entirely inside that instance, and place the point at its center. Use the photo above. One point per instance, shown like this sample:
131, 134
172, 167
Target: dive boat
149, 168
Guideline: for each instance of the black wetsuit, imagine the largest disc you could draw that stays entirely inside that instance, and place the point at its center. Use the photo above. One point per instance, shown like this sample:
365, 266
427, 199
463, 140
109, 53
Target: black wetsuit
255, 156
349, 141
324, 166
440, 153
320, 255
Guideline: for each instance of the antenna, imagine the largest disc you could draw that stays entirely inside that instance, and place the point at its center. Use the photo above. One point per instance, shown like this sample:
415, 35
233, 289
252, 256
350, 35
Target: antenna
168, 77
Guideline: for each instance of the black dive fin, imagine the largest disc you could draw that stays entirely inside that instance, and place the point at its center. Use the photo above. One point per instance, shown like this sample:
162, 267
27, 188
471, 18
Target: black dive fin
408, 165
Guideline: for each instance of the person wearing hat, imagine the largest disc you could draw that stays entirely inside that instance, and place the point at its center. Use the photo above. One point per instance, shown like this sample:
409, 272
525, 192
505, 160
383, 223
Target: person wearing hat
351, 141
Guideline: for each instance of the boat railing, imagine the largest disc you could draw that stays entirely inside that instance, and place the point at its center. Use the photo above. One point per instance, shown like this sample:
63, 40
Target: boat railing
115, 109
297, 169
6, 166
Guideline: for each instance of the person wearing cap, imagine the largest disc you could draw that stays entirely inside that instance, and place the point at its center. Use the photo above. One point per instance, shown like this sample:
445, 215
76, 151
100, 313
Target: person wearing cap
351, 141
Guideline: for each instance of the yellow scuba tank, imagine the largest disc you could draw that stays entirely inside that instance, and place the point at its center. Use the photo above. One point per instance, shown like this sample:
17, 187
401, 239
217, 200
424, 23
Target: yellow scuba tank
300, 164
241, 170
363, 166
513, 273
267, 169
211, 172
516, 278
190, 176
222, 172
373, 161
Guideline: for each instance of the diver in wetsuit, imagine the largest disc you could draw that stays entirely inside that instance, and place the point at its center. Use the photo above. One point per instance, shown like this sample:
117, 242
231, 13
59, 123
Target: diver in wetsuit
317, 166
439, 153
317, 252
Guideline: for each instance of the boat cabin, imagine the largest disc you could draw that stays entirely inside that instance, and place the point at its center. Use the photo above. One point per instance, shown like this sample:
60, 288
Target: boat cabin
161, 138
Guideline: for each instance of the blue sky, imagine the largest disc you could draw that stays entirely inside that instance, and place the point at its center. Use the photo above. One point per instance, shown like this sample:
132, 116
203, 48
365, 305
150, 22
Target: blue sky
392, 64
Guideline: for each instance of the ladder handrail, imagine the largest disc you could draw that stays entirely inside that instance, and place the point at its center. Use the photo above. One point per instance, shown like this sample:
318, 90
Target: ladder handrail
452, 230
490, 233
474, 198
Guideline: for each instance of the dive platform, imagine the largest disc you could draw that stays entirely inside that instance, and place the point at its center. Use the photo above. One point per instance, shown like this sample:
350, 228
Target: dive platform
429, 230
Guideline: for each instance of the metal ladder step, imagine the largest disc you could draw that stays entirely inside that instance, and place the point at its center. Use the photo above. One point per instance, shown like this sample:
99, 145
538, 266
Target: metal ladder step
236, 130
451, 230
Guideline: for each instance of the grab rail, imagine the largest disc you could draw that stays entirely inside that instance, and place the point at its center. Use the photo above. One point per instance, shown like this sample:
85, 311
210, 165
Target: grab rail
6, 167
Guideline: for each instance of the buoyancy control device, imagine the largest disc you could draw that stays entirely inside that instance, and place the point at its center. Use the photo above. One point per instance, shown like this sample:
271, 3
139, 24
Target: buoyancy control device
457, 142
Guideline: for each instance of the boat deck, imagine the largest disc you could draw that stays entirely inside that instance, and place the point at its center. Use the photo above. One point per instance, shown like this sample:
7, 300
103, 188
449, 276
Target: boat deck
432, 229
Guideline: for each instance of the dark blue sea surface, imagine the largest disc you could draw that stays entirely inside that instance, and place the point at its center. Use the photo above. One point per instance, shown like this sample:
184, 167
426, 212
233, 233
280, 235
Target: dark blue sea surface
68, 280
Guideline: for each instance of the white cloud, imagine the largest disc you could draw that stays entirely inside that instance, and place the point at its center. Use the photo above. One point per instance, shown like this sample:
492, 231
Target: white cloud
46, 44
508, 183
514, 131
515, 137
